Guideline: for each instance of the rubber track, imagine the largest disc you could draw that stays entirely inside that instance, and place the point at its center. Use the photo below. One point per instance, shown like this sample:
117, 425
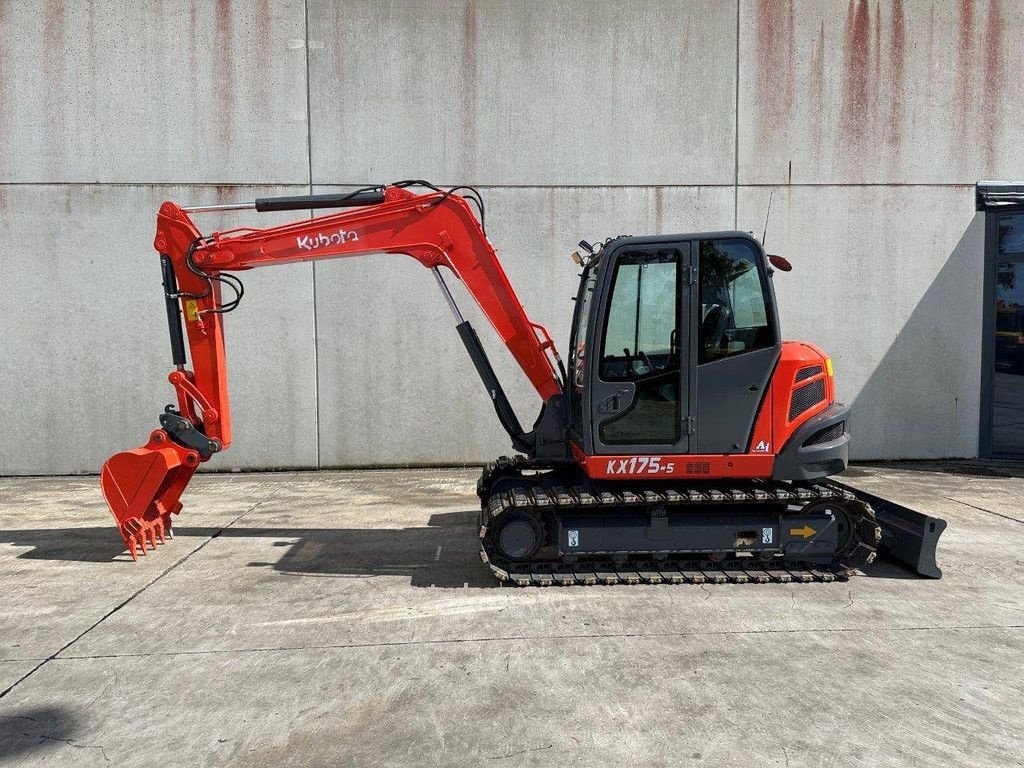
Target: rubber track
675, 571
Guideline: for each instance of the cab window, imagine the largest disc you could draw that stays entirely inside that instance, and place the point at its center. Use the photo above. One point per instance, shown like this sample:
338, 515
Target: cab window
734, 314
643, 316
641, 345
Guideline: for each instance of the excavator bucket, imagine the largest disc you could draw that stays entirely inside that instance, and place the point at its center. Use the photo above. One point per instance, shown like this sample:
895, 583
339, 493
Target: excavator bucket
143, 488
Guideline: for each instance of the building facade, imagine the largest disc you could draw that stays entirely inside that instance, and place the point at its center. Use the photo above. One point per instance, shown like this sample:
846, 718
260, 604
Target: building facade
850, 132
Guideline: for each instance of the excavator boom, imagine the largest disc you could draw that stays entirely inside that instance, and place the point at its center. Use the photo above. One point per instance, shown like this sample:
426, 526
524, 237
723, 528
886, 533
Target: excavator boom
436, 228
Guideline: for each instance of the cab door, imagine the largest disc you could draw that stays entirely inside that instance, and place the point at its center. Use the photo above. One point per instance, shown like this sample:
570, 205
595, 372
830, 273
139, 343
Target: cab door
738, 343
639, 376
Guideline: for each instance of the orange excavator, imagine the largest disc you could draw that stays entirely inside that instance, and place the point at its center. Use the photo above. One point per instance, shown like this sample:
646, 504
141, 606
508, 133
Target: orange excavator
682, 441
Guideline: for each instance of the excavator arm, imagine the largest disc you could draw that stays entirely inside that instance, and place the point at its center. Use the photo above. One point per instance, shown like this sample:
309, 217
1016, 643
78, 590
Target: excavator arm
143, 487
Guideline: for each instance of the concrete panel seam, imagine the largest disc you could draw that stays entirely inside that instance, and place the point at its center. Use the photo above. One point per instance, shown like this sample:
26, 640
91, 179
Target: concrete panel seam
309, 166
858, 185
736, 130
135, 594
307, 184
712, 185
657, 635
982, 509
464, 182
138, 184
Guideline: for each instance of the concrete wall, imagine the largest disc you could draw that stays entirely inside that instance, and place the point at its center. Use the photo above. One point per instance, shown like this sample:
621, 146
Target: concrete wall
865, 123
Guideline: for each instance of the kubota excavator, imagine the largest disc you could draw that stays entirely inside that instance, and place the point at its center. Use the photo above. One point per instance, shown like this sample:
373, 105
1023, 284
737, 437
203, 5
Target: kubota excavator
684, 441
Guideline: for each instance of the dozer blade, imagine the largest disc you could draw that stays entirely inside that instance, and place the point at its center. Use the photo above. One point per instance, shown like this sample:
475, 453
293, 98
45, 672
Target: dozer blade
142, 488
909, 537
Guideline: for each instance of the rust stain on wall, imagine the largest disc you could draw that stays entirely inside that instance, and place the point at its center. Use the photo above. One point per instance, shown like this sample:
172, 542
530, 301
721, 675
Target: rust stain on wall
90, 36
469, 90
264, 23
551, 214
225, 193
333, 57
897, 67
931, 40
53, 73
53, 41
978, 83
962, 87
857, 69
775, 62
5, 60
876, 64
817, 90
193, 43
222, 71
992, 80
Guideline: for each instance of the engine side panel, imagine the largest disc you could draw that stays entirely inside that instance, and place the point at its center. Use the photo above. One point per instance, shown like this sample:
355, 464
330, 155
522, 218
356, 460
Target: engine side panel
798, 392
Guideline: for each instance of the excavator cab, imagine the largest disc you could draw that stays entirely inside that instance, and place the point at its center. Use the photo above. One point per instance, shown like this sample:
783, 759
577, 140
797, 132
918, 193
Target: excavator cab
661, 321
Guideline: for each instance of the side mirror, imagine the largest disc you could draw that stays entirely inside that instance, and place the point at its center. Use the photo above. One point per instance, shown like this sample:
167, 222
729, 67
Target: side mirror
780, 263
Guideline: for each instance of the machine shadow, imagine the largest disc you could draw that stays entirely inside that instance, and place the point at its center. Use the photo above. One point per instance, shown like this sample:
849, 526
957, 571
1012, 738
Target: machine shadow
100, 544
443, 554
883, 568
33, 730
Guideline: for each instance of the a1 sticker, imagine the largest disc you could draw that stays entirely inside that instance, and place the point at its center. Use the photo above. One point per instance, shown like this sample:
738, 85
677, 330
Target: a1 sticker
574, 538
766, 535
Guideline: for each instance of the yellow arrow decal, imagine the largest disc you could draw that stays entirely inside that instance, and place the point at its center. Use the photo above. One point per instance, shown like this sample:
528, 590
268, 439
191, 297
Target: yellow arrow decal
806, 531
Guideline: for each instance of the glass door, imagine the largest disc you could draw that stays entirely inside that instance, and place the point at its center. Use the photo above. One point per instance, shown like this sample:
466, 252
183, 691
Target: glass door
1008, 329
639, 393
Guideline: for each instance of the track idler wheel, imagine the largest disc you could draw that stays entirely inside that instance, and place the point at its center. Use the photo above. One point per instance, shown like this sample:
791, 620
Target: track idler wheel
862, 544
518, 536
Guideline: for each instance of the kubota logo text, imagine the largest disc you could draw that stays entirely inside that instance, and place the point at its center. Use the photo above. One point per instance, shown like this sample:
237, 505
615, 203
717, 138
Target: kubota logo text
323, 240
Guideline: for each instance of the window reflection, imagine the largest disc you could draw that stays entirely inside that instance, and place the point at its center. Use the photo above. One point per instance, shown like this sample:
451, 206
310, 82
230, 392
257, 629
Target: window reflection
733, 310
1011, 233
641, 345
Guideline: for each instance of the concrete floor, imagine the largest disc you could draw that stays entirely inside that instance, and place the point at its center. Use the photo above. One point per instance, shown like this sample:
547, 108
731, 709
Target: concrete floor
343, 618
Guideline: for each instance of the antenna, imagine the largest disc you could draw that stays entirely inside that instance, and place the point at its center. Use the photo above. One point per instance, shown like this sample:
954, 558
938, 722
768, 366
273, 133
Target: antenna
764, 236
